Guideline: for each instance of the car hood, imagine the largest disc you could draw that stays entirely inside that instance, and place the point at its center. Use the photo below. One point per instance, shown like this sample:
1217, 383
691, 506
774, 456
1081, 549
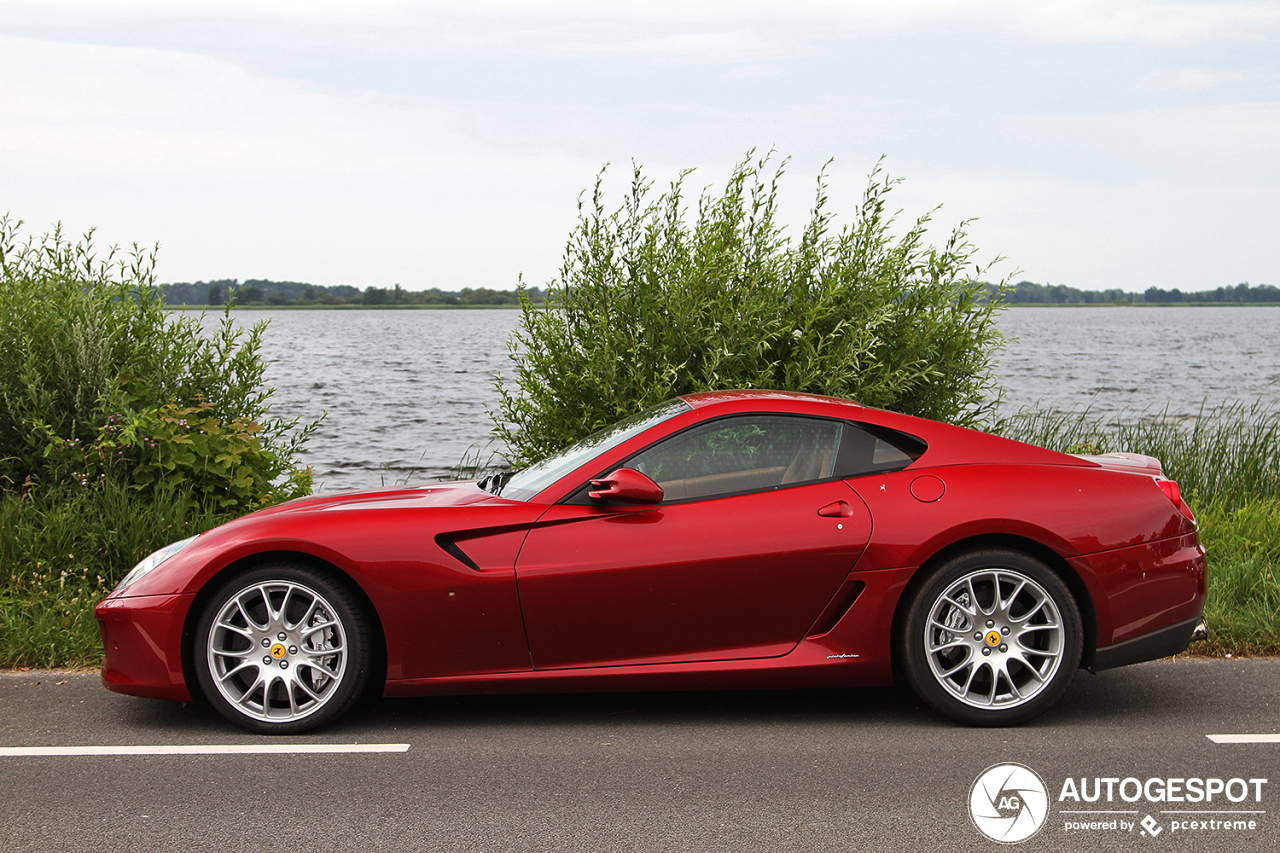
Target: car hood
409, 497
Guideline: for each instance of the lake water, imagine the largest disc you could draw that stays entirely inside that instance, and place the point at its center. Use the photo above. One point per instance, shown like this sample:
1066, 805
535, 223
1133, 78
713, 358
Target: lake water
405, 392
1132, 359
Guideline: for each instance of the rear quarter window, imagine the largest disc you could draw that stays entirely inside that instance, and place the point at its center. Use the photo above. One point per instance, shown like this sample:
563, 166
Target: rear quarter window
870, 449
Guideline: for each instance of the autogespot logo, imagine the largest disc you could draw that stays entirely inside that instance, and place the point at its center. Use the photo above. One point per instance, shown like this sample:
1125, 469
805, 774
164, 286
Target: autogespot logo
1008, 803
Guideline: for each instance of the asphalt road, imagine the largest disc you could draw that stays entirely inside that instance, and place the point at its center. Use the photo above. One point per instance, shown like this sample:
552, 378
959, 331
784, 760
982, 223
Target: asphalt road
756, 772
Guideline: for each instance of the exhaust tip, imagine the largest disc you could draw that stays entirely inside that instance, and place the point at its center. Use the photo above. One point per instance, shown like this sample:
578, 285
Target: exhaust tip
1201, 631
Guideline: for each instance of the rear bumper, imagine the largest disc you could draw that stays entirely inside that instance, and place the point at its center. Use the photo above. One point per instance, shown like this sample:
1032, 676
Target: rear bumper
1145, 597
1161, 643
142, 637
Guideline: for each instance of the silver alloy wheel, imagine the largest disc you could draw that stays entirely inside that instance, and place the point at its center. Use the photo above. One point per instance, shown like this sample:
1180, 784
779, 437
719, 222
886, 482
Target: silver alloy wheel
277, 651
994, 639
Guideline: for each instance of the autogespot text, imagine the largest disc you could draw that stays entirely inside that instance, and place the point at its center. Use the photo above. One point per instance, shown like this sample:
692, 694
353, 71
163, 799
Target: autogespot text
1229, 795
1130, 790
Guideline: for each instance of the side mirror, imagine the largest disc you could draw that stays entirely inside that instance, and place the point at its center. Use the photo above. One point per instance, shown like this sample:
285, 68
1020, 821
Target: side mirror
627, 485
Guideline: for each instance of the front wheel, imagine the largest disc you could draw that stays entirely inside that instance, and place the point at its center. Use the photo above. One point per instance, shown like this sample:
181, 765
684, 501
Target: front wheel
282, 649
992, 638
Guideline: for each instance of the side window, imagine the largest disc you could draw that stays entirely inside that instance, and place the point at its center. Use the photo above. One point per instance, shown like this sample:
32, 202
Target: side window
742, 454
868, 449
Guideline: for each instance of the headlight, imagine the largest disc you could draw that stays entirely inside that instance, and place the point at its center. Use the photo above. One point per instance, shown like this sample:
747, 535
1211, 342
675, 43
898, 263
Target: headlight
152, 560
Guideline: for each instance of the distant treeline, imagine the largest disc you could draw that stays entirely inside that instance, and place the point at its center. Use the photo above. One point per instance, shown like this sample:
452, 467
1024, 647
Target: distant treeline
260, 291
1059, 294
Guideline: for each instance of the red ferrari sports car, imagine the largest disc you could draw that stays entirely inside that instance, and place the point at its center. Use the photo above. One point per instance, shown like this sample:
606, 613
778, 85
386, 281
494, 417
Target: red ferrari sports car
736, 539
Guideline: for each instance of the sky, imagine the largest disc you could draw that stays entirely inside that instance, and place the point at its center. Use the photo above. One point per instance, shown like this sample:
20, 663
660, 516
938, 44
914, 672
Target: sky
1116, 143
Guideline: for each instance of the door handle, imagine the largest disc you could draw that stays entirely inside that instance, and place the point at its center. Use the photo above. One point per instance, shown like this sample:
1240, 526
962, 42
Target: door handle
839, 509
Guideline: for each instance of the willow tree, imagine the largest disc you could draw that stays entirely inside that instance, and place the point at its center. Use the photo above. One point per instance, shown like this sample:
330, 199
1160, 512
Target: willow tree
654, 300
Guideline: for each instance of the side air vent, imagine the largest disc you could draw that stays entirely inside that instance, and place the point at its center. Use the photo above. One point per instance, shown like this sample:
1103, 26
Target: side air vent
451, 548
837, 608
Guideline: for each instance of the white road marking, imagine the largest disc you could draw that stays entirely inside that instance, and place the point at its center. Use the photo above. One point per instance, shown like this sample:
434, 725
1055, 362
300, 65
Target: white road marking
1244, 738
206, 749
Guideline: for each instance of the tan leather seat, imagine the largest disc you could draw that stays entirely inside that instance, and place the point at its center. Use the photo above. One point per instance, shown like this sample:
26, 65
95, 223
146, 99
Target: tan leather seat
721, 484
811, 463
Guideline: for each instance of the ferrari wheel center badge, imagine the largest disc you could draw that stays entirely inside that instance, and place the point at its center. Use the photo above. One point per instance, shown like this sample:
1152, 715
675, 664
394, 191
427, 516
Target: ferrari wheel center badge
993, 638
277, 651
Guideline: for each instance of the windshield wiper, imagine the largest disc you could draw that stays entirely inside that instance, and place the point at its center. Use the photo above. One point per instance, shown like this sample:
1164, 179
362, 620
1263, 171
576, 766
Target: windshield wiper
494, 482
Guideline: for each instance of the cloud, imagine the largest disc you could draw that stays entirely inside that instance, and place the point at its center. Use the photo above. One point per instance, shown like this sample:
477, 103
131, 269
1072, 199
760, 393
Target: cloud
1148, 21
241, 175
702, 47
687, 28
1096, 237
443, 144
1194, 146
1196, 80
798, 24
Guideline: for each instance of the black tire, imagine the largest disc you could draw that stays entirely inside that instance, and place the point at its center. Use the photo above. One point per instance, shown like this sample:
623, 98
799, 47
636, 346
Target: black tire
282, 649
1003, 661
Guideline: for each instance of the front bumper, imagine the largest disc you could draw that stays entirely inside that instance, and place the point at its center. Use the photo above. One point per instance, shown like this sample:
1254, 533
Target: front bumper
142, 637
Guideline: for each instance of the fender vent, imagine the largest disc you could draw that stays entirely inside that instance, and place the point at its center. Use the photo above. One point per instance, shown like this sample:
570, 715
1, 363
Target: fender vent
837, 608
451, 548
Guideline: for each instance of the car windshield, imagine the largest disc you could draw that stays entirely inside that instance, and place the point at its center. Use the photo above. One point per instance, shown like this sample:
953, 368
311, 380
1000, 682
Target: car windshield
524, 484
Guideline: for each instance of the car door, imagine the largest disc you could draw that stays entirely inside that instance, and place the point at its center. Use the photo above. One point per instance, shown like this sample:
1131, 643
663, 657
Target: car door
753, 539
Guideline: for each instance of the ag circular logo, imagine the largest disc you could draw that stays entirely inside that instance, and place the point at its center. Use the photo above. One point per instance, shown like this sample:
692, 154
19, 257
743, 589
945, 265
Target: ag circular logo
1008, 803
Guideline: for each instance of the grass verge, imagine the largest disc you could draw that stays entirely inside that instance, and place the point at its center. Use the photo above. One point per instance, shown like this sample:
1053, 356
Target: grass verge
62, 551
1243, 545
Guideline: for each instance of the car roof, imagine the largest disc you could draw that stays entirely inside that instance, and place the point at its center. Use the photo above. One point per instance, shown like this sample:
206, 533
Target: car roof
708, 398
948, 444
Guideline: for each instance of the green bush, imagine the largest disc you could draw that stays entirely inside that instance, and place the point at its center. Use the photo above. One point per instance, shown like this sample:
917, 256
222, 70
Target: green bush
170, 446
123, 427
651, 302
98, 381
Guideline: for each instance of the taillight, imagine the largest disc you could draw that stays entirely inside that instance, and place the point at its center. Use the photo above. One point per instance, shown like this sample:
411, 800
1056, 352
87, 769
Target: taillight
1170, 489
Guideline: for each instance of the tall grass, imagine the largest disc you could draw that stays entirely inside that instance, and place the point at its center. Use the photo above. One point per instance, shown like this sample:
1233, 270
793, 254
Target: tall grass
1243, 547
60, 553
477, 462
1226, 460
1228, 453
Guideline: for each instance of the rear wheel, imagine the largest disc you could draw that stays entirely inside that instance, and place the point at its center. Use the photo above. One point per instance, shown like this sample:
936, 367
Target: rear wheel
993, 638
282, 649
